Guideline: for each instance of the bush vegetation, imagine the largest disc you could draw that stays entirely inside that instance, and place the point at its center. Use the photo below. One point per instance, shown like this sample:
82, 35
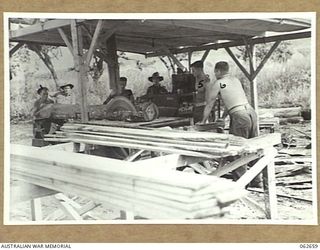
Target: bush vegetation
286, 78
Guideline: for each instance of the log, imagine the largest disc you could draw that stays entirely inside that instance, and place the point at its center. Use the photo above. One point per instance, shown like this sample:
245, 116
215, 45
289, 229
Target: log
282, 112
293, 119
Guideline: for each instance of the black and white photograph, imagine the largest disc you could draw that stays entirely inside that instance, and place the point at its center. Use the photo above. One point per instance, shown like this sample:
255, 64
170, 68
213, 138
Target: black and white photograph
145, 118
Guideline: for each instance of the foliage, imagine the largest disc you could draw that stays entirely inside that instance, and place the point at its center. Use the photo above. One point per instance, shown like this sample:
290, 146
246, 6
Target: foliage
281, 54
281, 80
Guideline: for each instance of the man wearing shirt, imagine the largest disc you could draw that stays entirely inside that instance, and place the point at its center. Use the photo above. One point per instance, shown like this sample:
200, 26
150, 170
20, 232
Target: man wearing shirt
156, 88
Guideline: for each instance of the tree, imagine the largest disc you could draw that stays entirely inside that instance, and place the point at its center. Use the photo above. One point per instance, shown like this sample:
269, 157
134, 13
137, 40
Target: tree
281, 54
46, 53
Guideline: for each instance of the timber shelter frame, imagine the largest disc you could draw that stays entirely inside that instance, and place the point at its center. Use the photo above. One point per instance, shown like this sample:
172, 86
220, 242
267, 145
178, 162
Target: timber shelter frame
103, 38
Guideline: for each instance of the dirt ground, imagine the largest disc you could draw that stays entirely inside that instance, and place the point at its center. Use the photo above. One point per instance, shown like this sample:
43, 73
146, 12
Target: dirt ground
289, 209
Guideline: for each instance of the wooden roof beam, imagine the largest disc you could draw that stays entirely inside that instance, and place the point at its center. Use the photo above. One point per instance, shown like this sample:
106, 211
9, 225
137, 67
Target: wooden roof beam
198, 24
174, 59
235, 59
205, 54
241, 42
66, 40
15, 48
93, 43
40, 27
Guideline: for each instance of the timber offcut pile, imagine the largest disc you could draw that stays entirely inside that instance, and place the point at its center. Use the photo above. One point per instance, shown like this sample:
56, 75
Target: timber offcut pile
284, 115
197, 144
149, 192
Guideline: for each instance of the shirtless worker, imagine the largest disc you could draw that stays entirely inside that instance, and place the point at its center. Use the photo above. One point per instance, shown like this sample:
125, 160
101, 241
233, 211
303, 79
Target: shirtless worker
202, 80
243, 118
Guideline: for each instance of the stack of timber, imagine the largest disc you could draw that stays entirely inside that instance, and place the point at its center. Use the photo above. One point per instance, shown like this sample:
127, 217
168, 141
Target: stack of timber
197, 144
285, 115
147, 191
294, 168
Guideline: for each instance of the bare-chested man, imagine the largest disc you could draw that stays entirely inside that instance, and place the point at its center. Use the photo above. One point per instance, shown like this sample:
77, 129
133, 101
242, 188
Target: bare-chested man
202, 81
243, 118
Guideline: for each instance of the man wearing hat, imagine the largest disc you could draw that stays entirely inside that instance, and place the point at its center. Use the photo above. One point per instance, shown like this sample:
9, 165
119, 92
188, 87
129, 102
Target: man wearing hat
65, 94
122, 91
156, 88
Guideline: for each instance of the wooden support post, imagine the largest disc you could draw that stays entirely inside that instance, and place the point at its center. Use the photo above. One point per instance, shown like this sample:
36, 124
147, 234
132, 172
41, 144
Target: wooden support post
65, 39
189, 60
245, 72
253, 82
81, 69
174, 59
205, 55
15, 48
265, 59
113, 66
36, 211
94, 41
270, 195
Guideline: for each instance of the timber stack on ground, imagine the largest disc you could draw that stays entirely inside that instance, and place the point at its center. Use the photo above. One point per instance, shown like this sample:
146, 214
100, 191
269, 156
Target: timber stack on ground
284, 115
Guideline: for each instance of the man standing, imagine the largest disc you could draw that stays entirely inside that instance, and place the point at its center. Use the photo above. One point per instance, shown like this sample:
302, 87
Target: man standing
41, 113
202, 83
243, 118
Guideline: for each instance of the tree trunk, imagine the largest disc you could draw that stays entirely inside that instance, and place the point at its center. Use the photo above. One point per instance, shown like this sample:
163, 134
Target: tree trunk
46, 60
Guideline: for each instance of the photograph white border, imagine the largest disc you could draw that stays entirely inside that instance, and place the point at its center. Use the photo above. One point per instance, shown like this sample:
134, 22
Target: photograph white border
231, 15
